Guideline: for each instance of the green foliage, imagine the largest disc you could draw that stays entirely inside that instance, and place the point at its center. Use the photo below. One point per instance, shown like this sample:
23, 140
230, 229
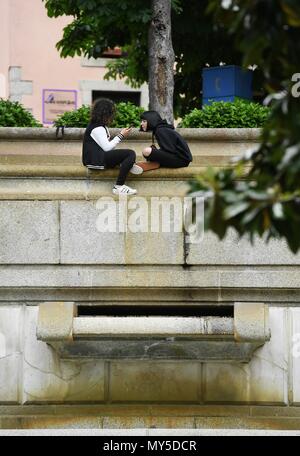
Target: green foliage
220, 114
78, 118
260, 195
13, 114
126, 114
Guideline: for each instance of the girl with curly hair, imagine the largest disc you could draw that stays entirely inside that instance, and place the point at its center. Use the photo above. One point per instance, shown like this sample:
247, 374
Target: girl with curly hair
99, 151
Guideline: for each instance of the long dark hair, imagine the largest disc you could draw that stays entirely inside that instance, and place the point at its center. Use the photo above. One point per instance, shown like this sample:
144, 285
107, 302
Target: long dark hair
103, 111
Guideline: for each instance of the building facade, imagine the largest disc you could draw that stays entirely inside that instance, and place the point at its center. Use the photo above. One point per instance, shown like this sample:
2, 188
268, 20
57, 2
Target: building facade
32, 72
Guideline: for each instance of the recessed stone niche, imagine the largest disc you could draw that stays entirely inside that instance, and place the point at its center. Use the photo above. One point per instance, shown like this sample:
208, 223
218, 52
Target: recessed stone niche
226, 333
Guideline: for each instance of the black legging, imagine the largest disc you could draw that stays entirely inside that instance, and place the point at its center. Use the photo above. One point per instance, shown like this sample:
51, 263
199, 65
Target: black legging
167, 159
123, 157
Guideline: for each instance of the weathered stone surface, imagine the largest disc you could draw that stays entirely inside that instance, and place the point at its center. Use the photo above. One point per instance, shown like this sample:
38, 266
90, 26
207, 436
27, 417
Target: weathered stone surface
48, 379
294, 345
248, 423
53, 422
288, 412
251, 322
202, 134
160, 325
55, 321
233, 251
286, 277
167, 348
9, 378
271, 295
150, 248
29, 232
142, 410
79, 228
38, 188
154, 230
158, 382
263, 380
148, 276
10, 356
104, 295
115, 276
148, 422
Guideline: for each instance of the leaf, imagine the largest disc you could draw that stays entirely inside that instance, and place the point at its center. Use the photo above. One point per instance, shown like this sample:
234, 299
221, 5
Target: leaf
235, 209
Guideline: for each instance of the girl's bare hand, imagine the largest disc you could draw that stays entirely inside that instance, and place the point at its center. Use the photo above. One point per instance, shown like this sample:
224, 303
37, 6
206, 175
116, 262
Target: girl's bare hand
126, 131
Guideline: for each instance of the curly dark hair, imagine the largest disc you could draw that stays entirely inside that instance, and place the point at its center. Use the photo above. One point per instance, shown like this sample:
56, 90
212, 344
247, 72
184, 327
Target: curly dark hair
103, 111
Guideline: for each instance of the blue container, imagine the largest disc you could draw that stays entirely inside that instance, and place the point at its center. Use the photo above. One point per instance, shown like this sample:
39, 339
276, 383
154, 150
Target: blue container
226, 83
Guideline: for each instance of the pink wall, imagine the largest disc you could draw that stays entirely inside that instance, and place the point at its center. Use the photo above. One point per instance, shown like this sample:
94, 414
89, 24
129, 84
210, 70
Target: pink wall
28, 37
5, 46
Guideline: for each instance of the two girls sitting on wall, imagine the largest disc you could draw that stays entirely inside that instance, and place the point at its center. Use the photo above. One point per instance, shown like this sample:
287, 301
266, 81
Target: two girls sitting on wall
99, 150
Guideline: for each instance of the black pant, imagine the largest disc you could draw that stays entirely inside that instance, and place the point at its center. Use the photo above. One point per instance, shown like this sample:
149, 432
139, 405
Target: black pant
123, 157
167, 159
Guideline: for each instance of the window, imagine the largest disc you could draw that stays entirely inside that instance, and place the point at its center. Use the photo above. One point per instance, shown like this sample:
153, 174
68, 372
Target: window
116, 96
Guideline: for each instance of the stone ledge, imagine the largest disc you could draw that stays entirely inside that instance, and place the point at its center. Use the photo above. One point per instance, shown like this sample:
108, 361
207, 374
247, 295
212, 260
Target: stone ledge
77, 171
199, 134
169, 410
130, 410
146, 431
149, 276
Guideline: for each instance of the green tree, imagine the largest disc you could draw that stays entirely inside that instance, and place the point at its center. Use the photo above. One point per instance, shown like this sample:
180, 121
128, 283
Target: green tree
99, 24
261, 193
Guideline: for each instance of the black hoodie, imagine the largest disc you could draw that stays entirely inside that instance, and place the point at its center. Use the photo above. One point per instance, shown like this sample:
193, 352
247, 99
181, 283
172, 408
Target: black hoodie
167, 137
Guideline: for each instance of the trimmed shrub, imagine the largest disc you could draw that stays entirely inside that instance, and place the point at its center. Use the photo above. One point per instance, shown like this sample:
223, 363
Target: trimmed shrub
78, 118
13, 114
126, 114
220, 114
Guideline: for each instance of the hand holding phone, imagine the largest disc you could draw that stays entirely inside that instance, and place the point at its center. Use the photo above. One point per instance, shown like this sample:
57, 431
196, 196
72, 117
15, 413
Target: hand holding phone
125, 131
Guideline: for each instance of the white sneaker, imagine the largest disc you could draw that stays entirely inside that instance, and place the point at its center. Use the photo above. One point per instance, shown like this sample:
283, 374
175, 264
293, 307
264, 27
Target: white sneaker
136, 169
123, 190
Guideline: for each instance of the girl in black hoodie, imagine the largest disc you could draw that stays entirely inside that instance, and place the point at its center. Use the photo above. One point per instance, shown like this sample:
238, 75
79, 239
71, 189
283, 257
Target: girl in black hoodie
173, 150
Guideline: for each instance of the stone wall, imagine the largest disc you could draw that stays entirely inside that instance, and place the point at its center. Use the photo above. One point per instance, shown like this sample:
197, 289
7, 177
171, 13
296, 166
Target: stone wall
50, 250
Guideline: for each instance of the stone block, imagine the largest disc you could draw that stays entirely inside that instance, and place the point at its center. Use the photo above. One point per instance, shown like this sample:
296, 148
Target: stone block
278, 424
15, 73
294, 343
81, 240
154, 381
81, 225
148, 422
263, 380
251, 322
233, 250
54, 422
154, 248
55, 321
47, 378
10, 357
29, 232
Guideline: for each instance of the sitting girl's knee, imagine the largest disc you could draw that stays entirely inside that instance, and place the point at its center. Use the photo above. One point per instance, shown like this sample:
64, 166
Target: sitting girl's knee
147, 151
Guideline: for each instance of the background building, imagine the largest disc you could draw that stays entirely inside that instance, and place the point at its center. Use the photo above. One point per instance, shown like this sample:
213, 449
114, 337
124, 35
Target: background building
32, 72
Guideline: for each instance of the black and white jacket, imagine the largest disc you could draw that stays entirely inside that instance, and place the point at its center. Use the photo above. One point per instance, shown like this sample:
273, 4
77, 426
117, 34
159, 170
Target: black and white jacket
96, 141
